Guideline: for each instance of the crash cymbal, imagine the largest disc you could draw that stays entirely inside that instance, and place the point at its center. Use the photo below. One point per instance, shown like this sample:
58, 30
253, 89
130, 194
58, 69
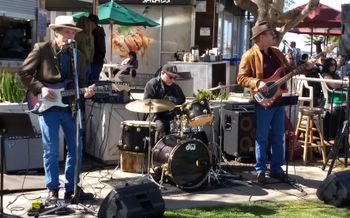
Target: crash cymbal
150, 106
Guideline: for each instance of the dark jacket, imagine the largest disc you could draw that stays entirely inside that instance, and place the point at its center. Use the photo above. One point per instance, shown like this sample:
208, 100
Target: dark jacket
156, 89
100, 45
41, 67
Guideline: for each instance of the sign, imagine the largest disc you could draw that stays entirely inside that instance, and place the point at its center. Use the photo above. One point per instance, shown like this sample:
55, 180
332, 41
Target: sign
157, 2
204, 31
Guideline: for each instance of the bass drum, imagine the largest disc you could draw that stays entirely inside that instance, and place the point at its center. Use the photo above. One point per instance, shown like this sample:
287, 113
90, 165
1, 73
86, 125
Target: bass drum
186, 161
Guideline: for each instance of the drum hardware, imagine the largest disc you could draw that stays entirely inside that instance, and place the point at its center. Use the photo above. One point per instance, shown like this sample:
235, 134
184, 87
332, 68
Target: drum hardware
219, 173
150, 106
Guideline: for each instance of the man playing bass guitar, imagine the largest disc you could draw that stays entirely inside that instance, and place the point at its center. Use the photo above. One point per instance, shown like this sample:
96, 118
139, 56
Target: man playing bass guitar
260, 63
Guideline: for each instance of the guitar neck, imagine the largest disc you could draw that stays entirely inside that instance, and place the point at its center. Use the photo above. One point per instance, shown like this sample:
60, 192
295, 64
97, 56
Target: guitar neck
284, 79
71, 92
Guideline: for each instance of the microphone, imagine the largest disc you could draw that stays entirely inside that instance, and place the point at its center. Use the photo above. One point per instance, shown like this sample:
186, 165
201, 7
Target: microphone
71, 42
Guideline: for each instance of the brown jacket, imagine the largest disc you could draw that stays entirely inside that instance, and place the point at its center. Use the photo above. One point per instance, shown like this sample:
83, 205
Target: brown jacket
41, 66
251, 67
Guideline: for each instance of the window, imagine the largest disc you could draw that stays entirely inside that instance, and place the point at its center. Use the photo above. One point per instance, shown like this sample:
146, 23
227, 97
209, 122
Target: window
15, 38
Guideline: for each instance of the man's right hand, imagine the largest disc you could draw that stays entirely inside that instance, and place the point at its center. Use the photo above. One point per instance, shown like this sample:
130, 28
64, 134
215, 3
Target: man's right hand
262, 87
48, 94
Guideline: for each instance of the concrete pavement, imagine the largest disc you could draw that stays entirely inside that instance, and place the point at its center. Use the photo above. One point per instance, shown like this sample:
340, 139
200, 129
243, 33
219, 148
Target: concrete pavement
218, 192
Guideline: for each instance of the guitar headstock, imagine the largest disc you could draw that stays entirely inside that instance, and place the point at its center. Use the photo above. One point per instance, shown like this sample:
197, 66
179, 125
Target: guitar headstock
120, 86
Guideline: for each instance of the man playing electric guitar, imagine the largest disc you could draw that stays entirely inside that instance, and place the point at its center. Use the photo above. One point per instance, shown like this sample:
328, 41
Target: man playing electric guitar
259, 63
51, 63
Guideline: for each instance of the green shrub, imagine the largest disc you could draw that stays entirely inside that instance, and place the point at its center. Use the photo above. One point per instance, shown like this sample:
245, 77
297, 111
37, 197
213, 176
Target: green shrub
11, 89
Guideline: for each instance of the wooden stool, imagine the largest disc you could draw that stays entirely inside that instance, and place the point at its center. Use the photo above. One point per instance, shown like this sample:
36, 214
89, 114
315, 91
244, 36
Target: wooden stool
310, 141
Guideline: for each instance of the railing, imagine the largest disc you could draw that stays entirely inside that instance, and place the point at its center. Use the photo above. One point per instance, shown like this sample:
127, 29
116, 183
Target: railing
345, 82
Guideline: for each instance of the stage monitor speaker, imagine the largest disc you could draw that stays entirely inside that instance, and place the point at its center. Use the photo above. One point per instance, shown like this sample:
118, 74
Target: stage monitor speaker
134, 201
335, 189
239, 134
23, 154
344, 44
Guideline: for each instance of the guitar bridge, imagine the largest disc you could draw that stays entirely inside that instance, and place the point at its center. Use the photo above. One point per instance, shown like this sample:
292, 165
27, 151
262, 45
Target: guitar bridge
258, 97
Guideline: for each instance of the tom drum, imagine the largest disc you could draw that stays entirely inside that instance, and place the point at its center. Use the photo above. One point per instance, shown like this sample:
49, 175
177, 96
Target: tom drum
134, 133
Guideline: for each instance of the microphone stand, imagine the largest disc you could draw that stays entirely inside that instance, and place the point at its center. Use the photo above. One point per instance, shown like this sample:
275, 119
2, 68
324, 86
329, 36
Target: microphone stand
343, 138
78, 129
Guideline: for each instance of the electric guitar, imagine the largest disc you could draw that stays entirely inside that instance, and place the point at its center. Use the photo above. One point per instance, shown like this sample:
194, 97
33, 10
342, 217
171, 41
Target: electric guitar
37, 104
266, 99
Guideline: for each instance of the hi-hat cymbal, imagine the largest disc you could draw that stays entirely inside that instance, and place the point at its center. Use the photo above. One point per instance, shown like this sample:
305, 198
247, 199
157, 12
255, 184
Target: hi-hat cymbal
150, 106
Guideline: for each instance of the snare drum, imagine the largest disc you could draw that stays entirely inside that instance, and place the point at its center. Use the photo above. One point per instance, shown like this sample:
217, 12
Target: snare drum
186, 161
134, 133
199, 113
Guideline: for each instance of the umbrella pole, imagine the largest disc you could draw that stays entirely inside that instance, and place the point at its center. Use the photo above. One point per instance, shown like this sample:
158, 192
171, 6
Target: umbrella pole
111, 38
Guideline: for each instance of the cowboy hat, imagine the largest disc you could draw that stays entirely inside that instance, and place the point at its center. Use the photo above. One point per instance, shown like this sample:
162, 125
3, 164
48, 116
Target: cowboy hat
64, 22
260, 28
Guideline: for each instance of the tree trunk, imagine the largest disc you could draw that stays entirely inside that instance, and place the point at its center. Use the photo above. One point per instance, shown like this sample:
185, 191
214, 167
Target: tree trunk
272, 11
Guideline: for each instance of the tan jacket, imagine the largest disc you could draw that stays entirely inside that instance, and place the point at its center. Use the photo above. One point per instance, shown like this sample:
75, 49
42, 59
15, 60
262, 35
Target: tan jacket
41, 66
251, 67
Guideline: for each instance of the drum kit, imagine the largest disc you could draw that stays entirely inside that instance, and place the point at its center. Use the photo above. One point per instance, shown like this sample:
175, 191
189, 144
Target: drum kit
184, 156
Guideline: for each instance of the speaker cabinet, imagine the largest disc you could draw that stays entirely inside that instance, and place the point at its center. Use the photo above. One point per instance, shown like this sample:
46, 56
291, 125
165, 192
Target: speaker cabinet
344, 44
239, 133
335, 189
23, 154
135, 201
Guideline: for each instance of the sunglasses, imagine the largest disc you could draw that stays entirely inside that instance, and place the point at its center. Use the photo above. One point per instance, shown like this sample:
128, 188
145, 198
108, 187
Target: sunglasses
171, 77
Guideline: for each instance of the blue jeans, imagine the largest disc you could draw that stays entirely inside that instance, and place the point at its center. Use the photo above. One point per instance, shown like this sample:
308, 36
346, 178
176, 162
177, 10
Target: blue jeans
49, 125
270, 119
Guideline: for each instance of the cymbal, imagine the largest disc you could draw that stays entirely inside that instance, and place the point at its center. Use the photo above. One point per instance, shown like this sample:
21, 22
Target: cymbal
150, 106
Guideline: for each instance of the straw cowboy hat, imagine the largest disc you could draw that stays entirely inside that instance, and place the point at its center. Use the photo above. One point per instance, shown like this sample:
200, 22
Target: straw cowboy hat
260, 28
64, 22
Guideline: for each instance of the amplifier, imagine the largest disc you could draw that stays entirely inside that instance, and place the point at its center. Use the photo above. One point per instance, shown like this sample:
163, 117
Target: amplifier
115, 92
23, 153
239, 134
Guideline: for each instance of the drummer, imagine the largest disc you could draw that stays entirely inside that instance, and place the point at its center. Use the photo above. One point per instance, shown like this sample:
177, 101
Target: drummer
163, 87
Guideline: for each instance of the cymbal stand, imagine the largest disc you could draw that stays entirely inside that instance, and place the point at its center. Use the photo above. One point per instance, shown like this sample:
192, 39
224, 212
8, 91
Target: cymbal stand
147, 142
219, 172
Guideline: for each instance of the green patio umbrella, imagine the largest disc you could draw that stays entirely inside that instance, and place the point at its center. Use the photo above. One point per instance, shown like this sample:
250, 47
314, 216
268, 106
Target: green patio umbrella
114, 13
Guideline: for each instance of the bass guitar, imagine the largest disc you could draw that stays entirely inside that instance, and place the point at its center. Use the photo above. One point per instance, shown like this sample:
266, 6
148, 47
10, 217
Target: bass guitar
37, 104
274, 82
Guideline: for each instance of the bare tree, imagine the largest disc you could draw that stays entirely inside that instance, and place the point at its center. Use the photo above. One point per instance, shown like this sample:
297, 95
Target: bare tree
272, 11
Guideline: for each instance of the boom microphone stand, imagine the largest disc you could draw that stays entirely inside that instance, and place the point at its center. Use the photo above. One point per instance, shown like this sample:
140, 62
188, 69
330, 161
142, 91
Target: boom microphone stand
78, 129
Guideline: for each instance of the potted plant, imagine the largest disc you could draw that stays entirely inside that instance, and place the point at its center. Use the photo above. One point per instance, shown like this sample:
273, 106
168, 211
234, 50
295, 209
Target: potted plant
12, 90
